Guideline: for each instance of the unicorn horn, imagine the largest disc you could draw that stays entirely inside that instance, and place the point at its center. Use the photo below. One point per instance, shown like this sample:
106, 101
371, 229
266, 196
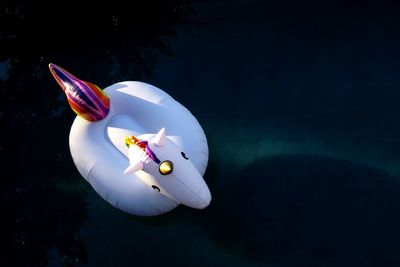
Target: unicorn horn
87, 100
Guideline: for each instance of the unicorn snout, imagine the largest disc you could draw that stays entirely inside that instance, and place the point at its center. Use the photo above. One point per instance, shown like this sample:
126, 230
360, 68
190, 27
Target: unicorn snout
194, 194
204, 199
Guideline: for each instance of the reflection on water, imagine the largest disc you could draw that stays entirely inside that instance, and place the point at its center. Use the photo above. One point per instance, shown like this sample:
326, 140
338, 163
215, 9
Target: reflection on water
300, 108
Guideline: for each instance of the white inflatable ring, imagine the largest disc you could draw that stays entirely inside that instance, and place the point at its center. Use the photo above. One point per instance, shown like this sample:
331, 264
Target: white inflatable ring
101, 156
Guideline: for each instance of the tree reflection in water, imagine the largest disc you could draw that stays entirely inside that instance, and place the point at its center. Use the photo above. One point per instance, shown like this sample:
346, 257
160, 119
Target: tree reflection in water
44, 196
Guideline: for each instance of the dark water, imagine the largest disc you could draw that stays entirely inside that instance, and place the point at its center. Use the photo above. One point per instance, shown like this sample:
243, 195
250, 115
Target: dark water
300, 103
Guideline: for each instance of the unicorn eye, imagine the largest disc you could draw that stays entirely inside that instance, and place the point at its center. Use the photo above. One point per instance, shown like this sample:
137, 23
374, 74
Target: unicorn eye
166, 167
184, 156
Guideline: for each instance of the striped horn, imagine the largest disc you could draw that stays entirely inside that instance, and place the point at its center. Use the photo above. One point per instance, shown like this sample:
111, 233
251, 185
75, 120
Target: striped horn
87, 100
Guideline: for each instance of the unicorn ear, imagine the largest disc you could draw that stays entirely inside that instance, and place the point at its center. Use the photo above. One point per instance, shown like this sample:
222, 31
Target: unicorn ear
134, 156
134, 167
159, 138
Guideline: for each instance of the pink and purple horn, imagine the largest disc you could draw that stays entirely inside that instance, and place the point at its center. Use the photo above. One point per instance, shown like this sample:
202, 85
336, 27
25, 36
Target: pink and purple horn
86, 99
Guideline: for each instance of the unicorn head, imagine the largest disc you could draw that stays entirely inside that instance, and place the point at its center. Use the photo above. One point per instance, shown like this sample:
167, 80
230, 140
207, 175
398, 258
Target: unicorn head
167, 169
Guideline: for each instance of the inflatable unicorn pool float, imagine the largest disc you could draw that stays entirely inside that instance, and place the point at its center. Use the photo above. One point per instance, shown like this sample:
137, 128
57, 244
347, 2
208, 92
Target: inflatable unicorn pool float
140, 150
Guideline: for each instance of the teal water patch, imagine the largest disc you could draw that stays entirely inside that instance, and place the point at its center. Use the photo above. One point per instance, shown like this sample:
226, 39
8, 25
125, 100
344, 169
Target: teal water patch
4, 69
302, 210
174, 239
248, 139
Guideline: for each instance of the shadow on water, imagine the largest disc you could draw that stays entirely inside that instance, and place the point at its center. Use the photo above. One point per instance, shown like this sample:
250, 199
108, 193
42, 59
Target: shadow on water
303, 210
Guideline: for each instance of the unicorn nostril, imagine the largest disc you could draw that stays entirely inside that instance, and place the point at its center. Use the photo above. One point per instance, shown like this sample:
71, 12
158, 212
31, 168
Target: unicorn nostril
184, 155
156, 188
